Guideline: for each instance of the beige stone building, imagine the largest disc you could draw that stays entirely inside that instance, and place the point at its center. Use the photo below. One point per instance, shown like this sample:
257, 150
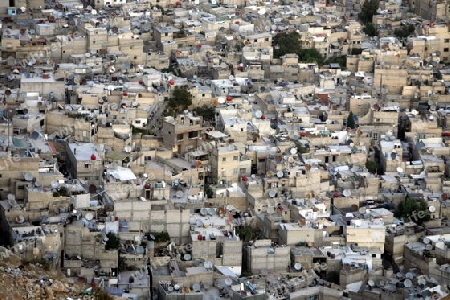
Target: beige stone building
181, 134
84, 162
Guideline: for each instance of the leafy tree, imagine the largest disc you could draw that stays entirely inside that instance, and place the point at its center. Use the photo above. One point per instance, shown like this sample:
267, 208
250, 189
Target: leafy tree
208, 112
286, 43
413, 210
123, 266
368, 10
372, 166
180, 100
113, 241
289, 42
248, 233
404, 31
341, 60
370, 29
351, 121
310, 55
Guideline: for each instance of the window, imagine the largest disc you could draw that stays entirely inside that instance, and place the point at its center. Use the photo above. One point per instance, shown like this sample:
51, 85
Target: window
446, 40
224, 159
378, 120
266, 39
445, 49
86, 166
193, 134
180, 137
137, 121
235, 157
235, 170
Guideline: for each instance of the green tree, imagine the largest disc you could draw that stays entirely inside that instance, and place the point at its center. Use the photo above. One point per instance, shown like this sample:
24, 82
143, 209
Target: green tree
180, 100
404, 31
286, 43
413, 210
370, 29
113, 241
289, 42
310, 55
208, 112
351, 121
368, 10
341, 60
372, 166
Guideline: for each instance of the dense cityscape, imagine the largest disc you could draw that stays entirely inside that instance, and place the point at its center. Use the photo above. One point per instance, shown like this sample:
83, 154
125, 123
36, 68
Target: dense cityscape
235, 149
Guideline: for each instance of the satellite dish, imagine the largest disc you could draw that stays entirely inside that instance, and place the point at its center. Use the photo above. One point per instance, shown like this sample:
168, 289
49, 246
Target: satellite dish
409, 275
207, 264
152, 237
199, 223
211, 211
231, 77
371, 283
187, 257
37, 184
421, 280
408, 283
381, 283
432, 209
35, 135
20, 219
414, 112
11, 197
293, 151
258, 114
298, 266
400, 170
54, 184
196, 287
89, 216
228, 281
279, 174
28, 176
362, 210
272, 194
203, 211
347, 193
221, 100
176, 287
429, 247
